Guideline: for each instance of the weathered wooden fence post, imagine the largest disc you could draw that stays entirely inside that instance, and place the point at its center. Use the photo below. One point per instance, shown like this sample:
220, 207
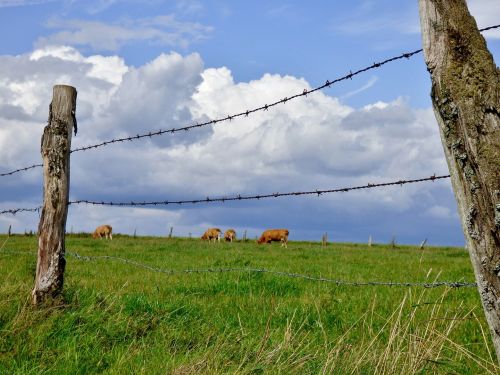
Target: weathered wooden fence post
466, 99
9, 231
370, 241
171, 230
55, 150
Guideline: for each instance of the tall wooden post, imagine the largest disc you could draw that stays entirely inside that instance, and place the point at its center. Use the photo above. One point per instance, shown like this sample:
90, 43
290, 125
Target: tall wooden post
55, 149
466, 99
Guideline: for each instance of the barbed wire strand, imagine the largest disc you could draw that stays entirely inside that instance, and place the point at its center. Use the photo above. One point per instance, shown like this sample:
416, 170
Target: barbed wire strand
21, 170
451, 284
237, 197
14, 211
265, 107
435, 284
248, 112
260, 196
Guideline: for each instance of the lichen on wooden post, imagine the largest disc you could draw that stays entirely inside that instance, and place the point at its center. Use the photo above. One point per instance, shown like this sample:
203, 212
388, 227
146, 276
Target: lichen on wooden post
55, 150
466, 100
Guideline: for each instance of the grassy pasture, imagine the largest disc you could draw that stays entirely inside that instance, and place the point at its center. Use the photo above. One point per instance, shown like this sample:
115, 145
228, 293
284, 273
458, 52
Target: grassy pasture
117, 318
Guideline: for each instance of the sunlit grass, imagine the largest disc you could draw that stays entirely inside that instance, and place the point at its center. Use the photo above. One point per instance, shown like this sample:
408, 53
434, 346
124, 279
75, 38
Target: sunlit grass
116, 318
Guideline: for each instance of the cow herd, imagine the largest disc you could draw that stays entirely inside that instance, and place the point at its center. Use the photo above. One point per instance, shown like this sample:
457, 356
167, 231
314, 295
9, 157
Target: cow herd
213, 234
268, 236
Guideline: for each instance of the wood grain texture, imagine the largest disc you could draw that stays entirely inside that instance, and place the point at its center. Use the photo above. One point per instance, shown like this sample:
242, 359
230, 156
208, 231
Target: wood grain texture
465, 96
55, 150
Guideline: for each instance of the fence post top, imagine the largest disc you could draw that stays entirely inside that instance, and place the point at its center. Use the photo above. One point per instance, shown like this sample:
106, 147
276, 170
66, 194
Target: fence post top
63, 86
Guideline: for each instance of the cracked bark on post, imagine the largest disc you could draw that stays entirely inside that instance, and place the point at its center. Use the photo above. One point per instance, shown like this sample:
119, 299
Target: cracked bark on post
466, 99
55, 150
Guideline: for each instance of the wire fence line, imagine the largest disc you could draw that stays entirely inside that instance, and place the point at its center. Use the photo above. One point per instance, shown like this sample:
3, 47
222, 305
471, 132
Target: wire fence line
21, 170
435, 284
14, 211
245, 113
220, 270
238, 197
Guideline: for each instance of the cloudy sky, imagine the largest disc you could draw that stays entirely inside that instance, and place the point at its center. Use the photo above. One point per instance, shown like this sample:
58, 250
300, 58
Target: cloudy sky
147, 65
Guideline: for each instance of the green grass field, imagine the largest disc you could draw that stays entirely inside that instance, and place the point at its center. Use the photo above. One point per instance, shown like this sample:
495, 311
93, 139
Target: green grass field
120, 318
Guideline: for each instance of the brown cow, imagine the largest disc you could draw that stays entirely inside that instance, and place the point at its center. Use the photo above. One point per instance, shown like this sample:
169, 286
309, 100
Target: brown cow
103, 231
212, 234
230, 235
271, 235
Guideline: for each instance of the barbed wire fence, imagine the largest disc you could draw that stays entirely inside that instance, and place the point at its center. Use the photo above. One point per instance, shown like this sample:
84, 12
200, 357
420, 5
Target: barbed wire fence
246, 113
229, 118
251, 270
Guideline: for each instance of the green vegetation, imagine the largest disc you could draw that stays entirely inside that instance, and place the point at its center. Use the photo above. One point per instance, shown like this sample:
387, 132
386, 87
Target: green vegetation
117, 318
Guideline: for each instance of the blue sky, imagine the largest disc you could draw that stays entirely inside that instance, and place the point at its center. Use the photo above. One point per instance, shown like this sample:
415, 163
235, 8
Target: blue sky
140, 66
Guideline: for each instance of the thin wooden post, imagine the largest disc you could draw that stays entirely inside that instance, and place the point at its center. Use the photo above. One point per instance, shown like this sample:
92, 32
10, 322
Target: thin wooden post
171, 230
370, 241
324, 239
245, 236
55, 150
422, 245
9, 231
465, 97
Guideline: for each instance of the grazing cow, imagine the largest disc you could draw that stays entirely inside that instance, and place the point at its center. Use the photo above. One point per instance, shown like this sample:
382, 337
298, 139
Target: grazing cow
212, 234
271, 235
230, 235
103, 231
